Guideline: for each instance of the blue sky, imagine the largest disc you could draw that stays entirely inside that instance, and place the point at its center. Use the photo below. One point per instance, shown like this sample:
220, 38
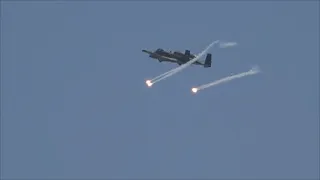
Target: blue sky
74, 102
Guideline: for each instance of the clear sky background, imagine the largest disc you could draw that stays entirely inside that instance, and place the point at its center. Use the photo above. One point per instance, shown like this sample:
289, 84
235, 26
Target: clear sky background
74, 101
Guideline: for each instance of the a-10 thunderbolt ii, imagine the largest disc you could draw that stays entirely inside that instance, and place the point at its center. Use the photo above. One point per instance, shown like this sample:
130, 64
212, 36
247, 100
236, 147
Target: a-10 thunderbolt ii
177, 57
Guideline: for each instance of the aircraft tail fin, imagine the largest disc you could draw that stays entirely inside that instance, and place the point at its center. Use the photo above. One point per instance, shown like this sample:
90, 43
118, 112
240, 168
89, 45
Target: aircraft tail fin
208, 61
187, 52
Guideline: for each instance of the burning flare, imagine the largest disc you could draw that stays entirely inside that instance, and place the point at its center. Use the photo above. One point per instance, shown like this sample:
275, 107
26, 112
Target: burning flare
194, 90
149, 83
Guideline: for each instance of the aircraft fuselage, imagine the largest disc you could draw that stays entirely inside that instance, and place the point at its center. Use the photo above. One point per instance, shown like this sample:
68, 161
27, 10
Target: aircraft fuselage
175, 57
178, 57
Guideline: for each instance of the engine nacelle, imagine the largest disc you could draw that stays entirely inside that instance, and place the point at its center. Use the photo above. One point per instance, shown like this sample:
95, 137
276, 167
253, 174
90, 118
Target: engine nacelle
187, 52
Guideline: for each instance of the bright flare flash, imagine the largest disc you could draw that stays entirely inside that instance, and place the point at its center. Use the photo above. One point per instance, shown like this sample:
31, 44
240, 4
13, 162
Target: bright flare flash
149, 83
194, 90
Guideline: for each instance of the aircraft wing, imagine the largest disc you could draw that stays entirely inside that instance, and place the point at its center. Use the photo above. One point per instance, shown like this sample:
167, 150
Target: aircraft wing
146, 51
170, 59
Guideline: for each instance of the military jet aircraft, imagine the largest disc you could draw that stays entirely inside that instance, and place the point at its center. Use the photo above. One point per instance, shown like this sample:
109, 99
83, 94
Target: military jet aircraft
177, 57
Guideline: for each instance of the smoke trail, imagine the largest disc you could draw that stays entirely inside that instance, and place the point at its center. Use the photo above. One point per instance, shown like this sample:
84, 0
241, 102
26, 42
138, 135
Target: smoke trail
180, 68
168, 72
252, 71
227, 44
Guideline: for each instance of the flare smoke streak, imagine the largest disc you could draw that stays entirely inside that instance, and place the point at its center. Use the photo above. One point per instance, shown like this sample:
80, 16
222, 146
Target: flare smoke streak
252, 71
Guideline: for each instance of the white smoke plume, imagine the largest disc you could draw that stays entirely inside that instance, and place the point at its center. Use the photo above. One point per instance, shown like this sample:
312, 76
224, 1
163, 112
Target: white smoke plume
227, 44
252, 71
